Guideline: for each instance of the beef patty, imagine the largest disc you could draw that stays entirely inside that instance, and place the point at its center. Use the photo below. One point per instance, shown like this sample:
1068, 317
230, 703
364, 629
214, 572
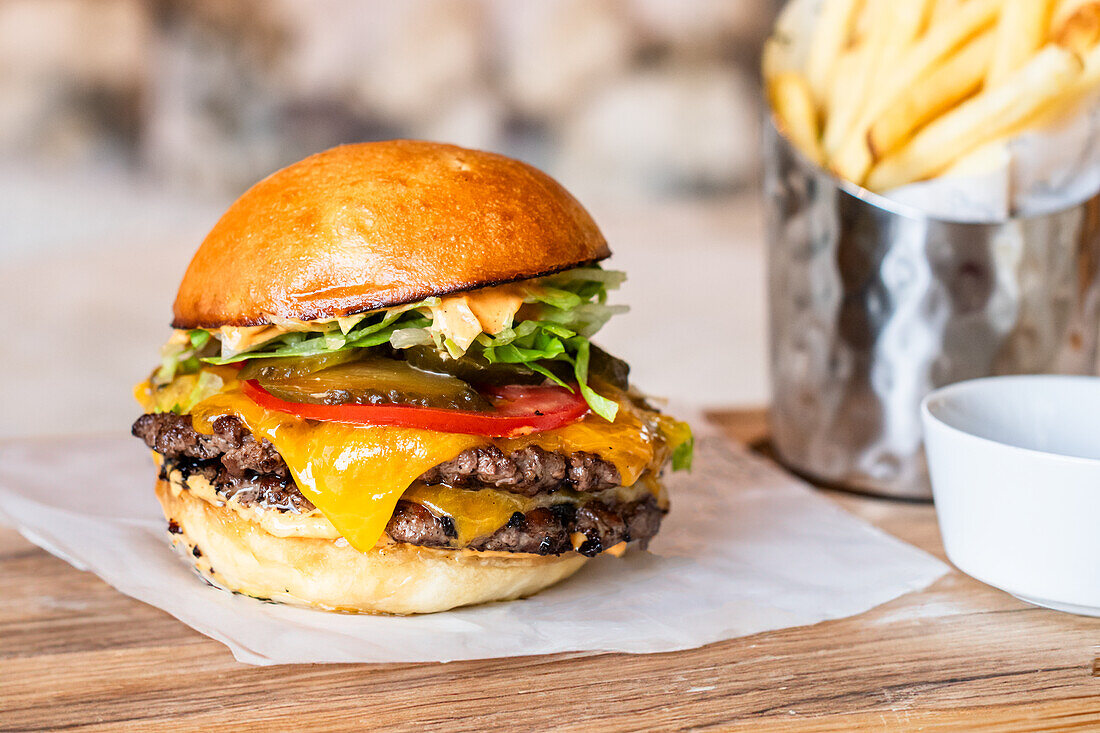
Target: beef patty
528, 471
547, 530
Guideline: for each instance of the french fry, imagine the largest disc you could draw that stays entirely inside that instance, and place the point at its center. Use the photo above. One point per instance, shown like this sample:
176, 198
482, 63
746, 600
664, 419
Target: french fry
939, 89
1088, 85
904, 22
850, 78
1021, 30
771, 57
831, 34
1080, 31
941, 9
1063, 9
793, 103
853, 159
991, 114
987, 158
861, 23
890, 27
1085, 89
853, 75
1091, 76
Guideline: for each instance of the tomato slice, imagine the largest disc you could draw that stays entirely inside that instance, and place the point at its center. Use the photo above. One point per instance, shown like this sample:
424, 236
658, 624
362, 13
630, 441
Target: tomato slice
520, 410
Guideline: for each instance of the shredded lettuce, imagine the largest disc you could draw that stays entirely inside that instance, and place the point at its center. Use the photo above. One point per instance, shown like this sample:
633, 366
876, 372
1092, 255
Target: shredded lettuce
560, 315
180, 355
369, 332
181, 394
569, 308
562, 312
403, 338
600, 405
198, 338
683, 454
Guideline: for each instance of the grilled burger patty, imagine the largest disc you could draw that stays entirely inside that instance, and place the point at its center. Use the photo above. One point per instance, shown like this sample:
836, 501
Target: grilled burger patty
528, 471
546, 530
253, 474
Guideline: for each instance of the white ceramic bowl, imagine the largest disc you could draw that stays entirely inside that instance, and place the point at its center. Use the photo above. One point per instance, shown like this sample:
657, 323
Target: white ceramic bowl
1015, 468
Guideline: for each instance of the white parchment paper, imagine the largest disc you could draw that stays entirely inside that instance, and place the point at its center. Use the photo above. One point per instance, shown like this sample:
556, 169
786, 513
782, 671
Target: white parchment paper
746, 548
1037, 172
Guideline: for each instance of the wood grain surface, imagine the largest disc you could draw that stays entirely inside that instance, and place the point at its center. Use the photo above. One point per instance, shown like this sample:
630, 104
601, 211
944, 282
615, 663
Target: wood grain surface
75, 654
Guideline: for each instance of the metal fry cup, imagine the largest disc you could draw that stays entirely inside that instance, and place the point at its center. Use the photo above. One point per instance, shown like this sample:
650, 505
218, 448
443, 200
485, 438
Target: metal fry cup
873, 305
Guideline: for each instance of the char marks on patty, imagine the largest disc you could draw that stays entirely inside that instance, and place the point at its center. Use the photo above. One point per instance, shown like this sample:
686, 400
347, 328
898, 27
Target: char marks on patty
528, 471
551, 530
232, 444
542, 531
264, 491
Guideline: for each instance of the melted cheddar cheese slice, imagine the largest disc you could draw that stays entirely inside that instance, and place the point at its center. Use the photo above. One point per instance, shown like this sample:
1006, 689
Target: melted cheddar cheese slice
355, 474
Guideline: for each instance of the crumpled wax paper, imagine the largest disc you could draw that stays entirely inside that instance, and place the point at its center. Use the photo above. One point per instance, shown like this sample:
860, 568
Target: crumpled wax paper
1037, 172
1047, 169
746, 548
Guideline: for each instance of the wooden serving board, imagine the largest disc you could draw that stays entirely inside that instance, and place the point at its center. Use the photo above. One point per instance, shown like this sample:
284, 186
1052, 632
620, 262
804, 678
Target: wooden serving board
76, 654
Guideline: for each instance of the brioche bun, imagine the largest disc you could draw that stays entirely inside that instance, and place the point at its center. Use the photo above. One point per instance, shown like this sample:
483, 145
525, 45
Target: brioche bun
238, 555
368, 226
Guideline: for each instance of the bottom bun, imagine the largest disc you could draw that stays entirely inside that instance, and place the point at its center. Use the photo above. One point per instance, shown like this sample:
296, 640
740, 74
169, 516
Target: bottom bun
238, 555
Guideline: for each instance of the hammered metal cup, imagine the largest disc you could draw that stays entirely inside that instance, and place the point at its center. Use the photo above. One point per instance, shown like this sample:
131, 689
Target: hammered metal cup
873, 305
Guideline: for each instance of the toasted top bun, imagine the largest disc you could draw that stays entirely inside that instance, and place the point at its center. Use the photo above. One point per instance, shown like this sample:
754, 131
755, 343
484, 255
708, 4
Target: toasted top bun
373, 225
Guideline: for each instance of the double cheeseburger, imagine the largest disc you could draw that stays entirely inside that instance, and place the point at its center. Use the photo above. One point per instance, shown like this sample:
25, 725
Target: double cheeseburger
381, 394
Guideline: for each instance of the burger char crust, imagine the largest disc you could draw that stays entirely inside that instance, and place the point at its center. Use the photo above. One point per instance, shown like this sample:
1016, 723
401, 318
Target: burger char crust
529, 471
543, 531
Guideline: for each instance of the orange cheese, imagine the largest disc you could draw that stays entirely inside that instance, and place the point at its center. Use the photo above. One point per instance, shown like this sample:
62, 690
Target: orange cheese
475, 513
355, 474
630, 442
478, 513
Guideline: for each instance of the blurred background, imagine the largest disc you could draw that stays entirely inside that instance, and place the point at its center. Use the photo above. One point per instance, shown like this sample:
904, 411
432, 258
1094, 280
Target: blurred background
127, 126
